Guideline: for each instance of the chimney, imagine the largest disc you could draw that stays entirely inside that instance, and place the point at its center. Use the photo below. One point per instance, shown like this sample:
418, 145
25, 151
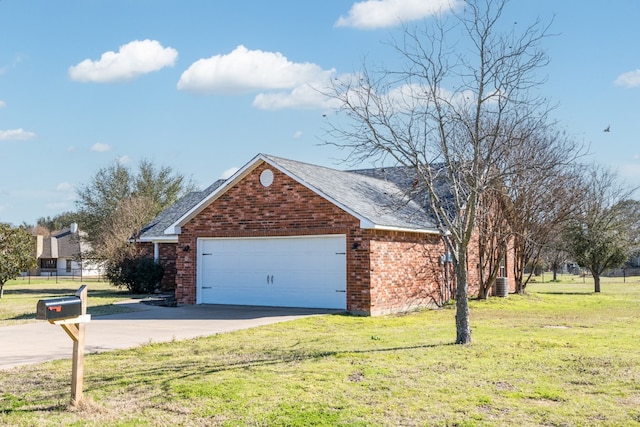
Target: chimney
74, 227
39, 245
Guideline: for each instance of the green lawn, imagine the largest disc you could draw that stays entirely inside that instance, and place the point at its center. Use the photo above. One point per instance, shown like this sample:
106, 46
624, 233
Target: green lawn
21, 297
558, 356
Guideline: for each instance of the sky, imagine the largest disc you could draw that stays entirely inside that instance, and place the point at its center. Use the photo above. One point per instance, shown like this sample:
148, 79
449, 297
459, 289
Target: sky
203, 86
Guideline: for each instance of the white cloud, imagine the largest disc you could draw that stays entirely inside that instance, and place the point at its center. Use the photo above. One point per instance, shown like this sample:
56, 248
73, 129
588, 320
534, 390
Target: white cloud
244, 71
630, 171
629, 79
64, 186
123, 160
100, 147
229, 172
132, 60
2, 104
297, 135
16, 135
371, 14
306, 96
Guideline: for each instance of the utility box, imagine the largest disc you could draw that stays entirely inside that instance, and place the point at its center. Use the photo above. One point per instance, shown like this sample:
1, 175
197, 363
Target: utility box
59, 308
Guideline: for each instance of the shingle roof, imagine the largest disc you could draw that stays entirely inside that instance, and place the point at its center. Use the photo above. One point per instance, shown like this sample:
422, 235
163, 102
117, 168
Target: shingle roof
372, 196
407, 180
61, 244
155, 228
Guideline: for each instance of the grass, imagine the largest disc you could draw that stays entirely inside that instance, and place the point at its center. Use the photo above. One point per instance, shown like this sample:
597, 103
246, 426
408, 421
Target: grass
21, 297
558, 356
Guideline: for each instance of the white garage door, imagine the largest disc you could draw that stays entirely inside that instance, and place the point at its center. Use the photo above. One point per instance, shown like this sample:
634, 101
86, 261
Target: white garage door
305, 271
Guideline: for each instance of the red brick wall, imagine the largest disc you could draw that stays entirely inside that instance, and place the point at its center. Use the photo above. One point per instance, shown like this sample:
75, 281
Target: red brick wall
473, 269
168, 261
405, 271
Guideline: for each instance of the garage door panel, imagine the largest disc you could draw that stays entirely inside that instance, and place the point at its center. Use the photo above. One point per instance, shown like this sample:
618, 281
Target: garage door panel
292, 272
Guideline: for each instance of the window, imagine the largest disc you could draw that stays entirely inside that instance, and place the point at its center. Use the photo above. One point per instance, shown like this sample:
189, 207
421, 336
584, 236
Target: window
48, 263
68, 266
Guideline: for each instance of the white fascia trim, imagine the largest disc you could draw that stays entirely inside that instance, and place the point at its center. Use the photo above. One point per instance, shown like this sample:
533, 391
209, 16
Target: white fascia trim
403, 229
165, 239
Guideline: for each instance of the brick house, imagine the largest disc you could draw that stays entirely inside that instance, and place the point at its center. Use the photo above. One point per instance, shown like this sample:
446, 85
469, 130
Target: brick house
285, 233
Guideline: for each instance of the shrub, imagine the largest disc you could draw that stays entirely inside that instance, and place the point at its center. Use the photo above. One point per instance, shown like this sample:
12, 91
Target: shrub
140, 275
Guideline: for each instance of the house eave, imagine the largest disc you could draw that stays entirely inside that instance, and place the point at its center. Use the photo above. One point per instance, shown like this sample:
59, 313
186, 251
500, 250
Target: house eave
159, 239
402, 229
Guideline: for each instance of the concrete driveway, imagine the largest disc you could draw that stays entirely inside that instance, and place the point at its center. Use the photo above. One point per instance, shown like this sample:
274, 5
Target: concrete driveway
40, 342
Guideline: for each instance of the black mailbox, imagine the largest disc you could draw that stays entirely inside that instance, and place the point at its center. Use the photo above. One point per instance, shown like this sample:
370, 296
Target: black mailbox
59, 308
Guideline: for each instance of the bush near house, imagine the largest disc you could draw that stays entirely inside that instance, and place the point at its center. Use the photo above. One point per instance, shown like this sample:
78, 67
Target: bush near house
139, 274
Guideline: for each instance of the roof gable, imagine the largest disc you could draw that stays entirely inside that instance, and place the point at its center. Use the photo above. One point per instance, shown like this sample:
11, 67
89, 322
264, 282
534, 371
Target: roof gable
61, 244
377, 203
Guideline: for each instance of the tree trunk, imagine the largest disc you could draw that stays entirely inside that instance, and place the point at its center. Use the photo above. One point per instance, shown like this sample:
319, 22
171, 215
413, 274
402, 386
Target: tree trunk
463, 329
596, 280
1, 290
518, 265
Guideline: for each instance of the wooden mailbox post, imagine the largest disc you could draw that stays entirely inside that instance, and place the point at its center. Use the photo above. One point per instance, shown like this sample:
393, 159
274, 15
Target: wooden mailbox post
71, 314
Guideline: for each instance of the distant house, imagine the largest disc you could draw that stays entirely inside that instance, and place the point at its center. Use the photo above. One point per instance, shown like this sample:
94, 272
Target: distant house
61, 254
285, 233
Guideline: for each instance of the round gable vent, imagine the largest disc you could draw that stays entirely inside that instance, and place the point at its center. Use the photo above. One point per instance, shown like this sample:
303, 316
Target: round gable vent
266, 177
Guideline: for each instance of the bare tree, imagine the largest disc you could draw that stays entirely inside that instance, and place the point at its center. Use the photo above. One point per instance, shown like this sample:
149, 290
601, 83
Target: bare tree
555, 255
540, 198
601, 235
494, 236
450, 112
121, 227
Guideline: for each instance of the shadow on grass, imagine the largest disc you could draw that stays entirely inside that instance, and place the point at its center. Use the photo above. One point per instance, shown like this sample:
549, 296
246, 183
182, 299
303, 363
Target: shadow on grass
24, 316
162, 376
40, 291
107, 309
96, 310
564, 293
60, 291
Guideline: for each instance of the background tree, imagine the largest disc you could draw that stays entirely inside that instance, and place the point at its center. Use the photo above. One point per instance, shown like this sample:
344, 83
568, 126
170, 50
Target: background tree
452, 111
555, 254
57, 222
131, 214
600, 236
98, 199
160, 185
17, 249
117, 202
540, 198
